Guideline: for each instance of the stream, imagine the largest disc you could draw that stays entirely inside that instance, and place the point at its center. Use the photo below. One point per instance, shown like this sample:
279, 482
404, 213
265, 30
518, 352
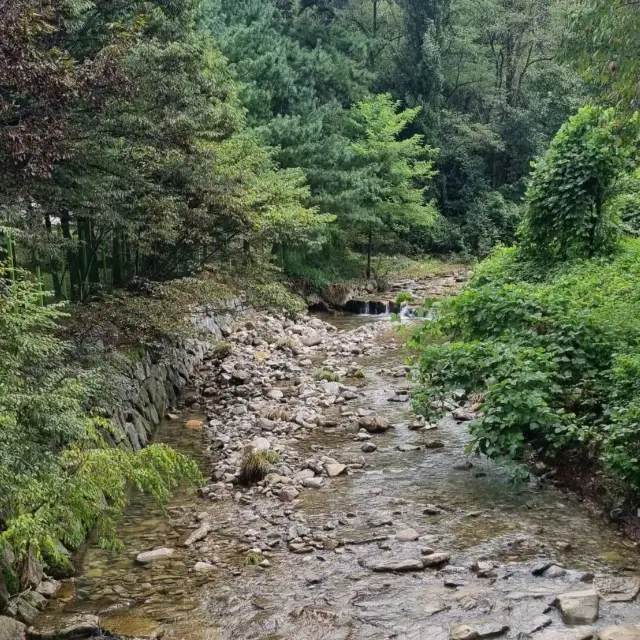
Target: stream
341, 558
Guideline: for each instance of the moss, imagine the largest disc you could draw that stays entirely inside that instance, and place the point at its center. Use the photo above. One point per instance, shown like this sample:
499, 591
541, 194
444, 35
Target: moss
252, 558
357, 374
11, 580
326, 374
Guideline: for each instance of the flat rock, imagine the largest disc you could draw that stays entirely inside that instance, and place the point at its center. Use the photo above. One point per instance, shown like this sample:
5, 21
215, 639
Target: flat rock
193, 425
434, 444
312, 483
396, 564
380, 520
204, 567
68, 628
334, 470
472, 631
436, 559
407, 535
579, 607
199, 534
151, 556
617, 589
619, 632
303, 474
434, 606
537, 624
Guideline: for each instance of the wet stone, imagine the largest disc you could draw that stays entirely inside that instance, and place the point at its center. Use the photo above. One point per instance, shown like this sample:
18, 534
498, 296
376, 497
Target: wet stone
472, 631
155, 555
199, 534
68, 628
407, 535
579, 607
617, 589
554, 571
621, 632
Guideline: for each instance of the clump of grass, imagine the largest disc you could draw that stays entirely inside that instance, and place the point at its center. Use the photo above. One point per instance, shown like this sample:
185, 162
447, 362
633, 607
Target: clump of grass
288, 342
404, 296
277, 413
222, 350
252, 558
256, 465
326, 374
358, 373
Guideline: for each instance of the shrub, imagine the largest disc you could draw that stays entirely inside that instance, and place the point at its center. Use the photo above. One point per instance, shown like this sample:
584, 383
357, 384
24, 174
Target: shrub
555, 361
289, 342
252, 558
566, 216
404, 296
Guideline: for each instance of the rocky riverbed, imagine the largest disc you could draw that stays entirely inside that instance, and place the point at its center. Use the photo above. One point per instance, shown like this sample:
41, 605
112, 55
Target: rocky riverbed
369, 523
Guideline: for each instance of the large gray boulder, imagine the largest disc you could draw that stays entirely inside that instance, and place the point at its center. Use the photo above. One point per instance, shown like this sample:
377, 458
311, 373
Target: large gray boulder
11, 629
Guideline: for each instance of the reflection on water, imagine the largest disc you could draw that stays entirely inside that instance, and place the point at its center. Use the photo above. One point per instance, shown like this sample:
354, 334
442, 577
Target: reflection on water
327, 593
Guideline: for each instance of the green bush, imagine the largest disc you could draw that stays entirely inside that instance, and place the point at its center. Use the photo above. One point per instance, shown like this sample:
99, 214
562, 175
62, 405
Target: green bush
404, 296
566, 214
554, 362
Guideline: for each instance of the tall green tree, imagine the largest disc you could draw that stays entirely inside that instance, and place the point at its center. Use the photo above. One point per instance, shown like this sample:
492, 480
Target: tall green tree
387, 174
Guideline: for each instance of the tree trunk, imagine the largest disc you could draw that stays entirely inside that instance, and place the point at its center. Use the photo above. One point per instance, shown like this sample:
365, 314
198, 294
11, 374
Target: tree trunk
72, 258
116, 261
57, 284
94, 266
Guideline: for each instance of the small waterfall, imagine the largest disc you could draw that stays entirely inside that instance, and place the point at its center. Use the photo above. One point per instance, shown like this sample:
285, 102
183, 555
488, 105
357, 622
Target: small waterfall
406, 312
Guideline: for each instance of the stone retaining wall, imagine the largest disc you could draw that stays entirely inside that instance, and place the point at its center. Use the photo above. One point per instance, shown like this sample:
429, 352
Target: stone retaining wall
153, 383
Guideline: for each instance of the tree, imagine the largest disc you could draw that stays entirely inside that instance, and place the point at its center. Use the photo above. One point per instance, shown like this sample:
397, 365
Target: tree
153, 124
387, 175
606, 48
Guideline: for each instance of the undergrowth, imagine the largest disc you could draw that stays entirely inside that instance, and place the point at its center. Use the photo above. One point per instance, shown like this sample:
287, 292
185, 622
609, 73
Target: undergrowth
555, 358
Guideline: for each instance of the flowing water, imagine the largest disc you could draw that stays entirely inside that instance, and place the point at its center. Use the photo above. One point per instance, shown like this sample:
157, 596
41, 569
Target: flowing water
327, 593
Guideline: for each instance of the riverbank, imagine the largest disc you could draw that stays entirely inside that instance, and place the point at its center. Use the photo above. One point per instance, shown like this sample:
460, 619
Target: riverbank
371, 524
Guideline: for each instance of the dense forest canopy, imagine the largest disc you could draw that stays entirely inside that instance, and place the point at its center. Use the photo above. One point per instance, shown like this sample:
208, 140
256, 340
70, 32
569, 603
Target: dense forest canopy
206, 126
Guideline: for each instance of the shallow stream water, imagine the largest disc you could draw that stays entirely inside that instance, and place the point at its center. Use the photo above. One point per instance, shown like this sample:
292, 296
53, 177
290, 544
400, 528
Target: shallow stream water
328, 593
